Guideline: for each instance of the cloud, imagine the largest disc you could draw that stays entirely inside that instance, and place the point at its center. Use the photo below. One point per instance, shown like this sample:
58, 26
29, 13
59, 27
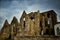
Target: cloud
5, 3
10, 8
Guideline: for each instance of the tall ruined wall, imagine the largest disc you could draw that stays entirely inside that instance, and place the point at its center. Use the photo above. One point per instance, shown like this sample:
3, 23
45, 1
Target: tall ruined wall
36, 23
5, 31
32, 26
49, 20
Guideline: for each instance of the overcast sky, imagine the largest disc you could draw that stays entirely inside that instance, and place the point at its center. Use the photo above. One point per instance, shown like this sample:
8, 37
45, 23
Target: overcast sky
10, 8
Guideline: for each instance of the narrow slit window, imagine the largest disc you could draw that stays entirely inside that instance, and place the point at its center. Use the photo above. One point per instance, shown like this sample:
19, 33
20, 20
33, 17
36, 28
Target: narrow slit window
14, 25
42, 32
24, 24
48, 20
47, 31
48, 15
32, 18
40, 23
24, 19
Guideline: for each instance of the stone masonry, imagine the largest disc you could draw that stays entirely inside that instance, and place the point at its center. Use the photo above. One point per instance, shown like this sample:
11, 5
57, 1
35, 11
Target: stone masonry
32, 26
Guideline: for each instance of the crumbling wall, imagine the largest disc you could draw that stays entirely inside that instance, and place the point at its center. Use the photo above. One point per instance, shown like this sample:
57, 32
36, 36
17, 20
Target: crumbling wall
46, 37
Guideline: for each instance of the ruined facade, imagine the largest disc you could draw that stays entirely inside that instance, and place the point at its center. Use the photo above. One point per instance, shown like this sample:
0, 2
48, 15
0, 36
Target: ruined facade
32, 24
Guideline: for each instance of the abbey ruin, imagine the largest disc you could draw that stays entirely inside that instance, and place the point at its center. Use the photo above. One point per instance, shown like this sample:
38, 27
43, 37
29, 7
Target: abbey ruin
33, 26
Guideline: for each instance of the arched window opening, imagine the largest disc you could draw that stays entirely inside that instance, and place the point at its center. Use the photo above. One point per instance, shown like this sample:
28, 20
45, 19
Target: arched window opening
24, 22
48, 20
32, 18
24, 19
40, 24
47, 31
14, 25
58, 30
48, 15
42, 32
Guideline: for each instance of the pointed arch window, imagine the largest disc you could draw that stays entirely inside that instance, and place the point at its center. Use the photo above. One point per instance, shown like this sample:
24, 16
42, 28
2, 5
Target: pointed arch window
32, 18
24, 22
48, 20
13, 25
48, 15
58, 31
42, 32
23, 19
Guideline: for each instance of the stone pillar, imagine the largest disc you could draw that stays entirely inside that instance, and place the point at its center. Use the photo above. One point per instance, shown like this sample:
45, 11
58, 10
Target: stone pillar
51, 25
12, 33
32, 31
22, 21
19, 31
37, 23
22, 24
27, 26
47, 23
44, 28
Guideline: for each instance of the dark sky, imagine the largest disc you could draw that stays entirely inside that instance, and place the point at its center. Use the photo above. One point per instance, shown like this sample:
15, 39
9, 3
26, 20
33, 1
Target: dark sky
10, 8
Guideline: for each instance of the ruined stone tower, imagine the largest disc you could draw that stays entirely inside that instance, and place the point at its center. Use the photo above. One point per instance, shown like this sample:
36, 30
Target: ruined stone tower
32, 24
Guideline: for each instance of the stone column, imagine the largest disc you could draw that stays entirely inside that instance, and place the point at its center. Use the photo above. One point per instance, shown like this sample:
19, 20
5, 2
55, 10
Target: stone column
12, 33
37, 23
32, 31
27, 26
44, 27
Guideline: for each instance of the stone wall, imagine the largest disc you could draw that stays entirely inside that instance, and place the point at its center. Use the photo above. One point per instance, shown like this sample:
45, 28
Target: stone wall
46, 37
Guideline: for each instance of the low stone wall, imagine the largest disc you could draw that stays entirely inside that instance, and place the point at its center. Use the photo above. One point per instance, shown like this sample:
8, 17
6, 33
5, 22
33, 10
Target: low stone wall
37, 38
